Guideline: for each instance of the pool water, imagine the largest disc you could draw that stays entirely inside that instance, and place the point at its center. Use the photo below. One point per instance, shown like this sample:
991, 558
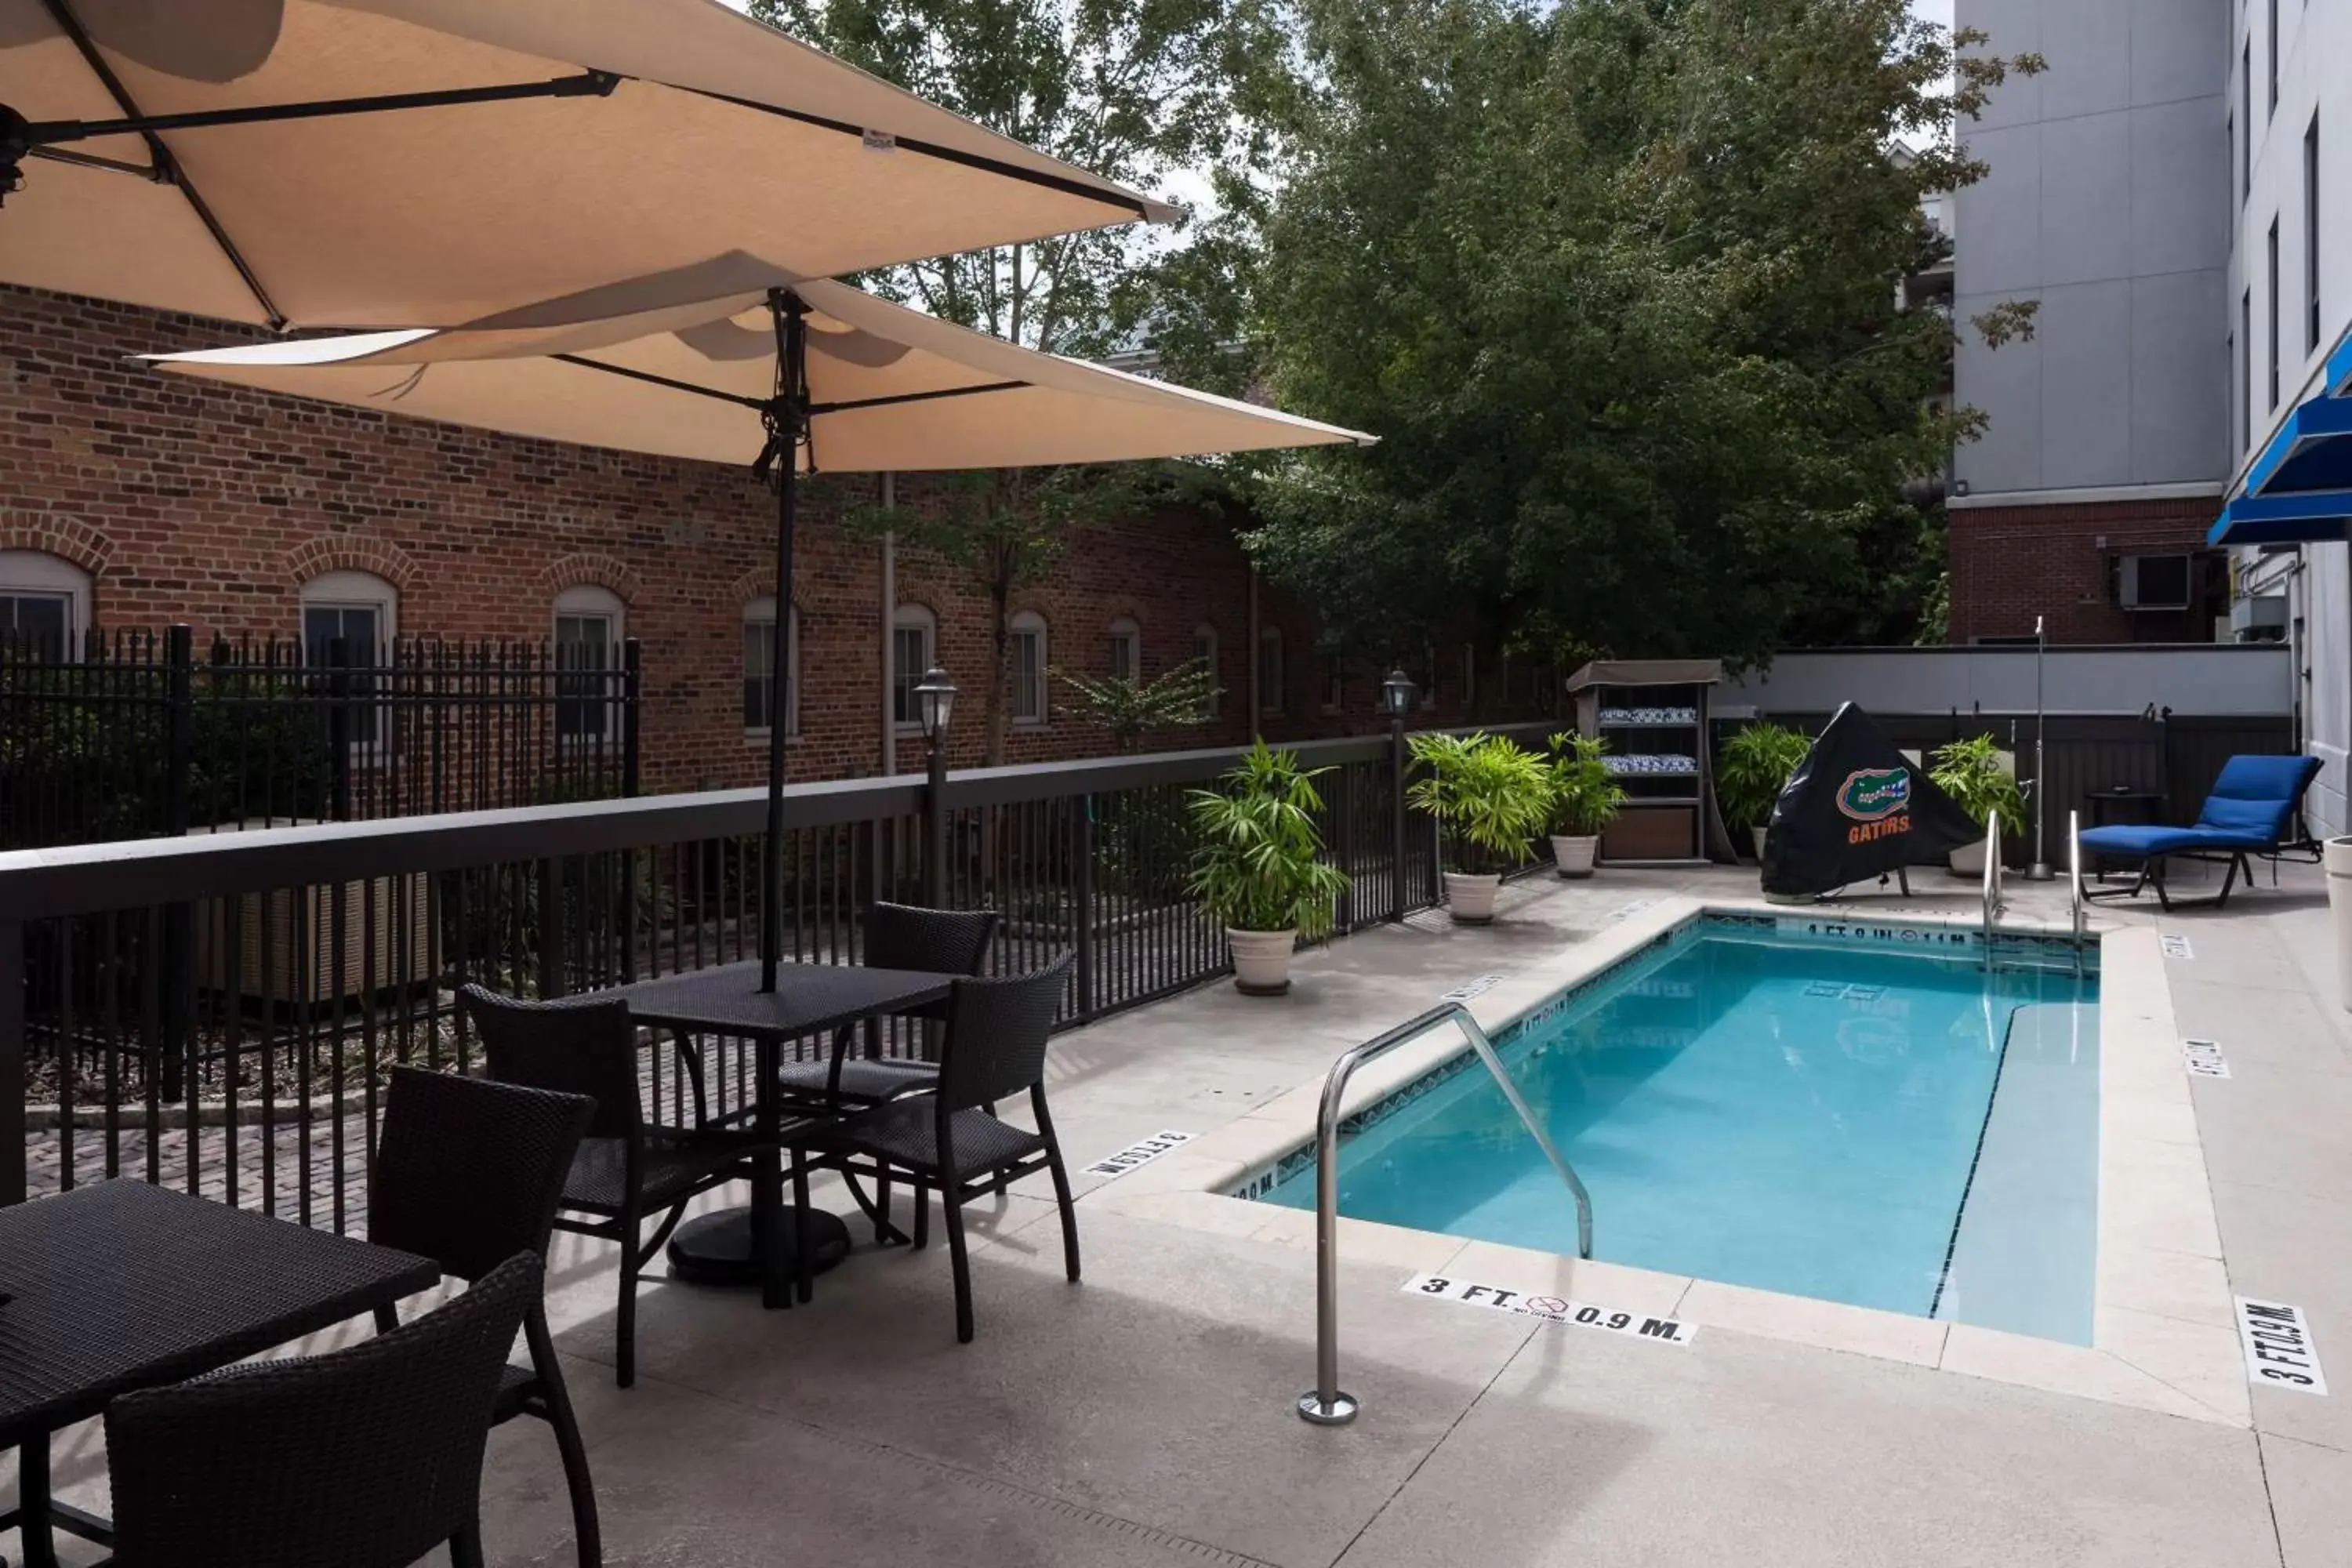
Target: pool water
1888, 1129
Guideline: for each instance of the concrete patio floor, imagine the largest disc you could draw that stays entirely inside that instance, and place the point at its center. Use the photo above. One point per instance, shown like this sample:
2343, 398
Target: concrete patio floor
1145, 1416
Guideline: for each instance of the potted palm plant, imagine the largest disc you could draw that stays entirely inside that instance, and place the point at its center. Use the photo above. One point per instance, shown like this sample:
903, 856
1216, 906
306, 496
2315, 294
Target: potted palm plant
1749, 775
1489, 797
1259, 870
1584, 799
1976, 774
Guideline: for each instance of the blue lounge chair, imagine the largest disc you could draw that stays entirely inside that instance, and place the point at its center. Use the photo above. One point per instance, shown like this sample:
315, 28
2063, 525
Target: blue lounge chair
2254, 803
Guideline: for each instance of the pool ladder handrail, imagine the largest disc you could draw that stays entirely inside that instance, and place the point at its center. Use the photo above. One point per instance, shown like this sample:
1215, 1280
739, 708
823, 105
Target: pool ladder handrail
1992, 900
2081, 903
1325, 1405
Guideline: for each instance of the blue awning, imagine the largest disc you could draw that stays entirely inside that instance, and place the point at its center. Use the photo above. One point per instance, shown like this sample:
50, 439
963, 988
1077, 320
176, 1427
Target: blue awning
2283, 519
2299, 489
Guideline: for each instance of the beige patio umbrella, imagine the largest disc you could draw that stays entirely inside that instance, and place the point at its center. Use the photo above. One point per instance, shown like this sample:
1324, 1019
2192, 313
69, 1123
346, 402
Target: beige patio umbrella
736, 359
351, 163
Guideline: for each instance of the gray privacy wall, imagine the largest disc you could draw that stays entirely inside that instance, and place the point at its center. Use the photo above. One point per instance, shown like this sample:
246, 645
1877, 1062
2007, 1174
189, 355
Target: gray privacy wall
2108, 202
2240, 680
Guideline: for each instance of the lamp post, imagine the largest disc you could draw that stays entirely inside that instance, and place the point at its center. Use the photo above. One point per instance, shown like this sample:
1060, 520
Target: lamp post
1396, 701
935, 696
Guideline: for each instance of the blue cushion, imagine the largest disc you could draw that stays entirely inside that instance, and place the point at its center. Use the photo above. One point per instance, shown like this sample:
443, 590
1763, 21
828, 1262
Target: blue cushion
2258, 794
2145, 840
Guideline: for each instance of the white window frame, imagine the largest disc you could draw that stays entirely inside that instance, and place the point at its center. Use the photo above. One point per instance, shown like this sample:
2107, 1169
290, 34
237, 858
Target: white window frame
350, 590
1025, 626
912, 619
38, 575
1205, 652
346, 590
760, 621
585, 602
1126, 642
1335, 683
1270, 701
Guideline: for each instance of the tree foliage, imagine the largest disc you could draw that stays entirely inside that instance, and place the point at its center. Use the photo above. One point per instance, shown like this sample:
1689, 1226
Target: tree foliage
1615, 283
1128, 707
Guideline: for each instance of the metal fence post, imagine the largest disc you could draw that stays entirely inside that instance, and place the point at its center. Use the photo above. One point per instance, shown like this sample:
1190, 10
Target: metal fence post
1082, 898
551, 929
12, 1061
179, 659
1396, 841
935, 827
632, 684
1344, 791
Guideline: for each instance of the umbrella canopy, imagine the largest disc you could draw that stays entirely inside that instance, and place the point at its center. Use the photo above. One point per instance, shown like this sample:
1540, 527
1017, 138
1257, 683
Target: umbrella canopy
396, 162
736, 359
685, 365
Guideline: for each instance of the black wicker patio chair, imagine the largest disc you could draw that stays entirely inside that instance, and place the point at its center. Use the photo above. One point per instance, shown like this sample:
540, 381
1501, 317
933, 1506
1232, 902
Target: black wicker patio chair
994, 1049
365, 1458
469, 1172
898, 936
627, 1167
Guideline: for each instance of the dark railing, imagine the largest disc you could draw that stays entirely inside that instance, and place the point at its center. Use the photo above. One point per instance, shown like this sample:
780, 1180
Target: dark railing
142, 734
217, 1012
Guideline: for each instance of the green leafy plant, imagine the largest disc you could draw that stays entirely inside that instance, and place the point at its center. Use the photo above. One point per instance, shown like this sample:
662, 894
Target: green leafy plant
1584, 798
1489, 796
1127, 708
1260, 864
1754, 766
1970, 771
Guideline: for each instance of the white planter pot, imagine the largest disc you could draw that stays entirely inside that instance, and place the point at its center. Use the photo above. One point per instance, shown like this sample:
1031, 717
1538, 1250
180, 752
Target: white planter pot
1472, 898
2336, 854
1574, 854
1968, 860
1261, 960
1759, 846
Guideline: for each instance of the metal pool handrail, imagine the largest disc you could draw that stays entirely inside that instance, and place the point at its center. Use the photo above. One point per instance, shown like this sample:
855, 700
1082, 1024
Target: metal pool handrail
1325, 1405
2074, 882
1991, 882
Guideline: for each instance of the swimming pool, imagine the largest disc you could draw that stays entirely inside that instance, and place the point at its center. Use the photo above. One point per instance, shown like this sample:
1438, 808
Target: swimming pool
1852, 1116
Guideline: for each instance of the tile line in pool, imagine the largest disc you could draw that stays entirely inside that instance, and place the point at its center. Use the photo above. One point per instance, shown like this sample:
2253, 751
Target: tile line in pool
1898, 1129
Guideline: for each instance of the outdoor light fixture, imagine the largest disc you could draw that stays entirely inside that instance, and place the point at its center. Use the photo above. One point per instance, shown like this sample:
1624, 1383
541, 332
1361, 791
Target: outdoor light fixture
935, 696
1396, 694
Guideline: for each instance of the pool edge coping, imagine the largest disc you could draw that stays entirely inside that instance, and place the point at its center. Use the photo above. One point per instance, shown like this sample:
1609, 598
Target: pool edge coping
2155, 1205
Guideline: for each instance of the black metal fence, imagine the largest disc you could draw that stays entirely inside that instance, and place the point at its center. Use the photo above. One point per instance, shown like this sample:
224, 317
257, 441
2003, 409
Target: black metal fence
138, 734
2175, 757
217, 1013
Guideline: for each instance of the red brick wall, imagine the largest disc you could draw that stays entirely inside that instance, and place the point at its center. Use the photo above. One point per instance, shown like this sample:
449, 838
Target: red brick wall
191, 501
2010, 563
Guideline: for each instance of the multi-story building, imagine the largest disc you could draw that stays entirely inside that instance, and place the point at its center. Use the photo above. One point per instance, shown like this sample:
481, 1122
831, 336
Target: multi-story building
2291, 276
2107, 443
133, 500
2170, 194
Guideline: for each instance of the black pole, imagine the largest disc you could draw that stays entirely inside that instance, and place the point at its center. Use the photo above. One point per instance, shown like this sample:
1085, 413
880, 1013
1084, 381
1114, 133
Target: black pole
786, 312
935, 826
1397, 901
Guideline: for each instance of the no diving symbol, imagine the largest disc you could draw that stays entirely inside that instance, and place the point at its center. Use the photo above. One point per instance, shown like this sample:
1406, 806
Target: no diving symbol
1551, 1304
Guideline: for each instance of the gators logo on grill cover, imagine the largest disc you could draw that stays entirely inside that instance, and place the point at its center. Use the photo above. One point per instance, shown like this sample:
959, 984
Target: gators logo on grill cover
1872, 795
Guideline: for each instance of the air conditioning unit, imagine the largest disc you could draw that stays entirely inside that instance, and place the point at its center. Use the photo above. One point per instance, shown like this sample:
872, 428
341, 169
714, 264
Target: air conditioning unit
2152, 582
2262, 618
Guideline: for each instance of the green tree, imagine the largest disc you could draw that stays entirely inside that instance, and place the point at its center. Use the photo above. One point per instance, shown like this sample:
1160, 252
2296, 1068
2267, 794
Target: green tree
1137, 90
1615, 284
1126, 707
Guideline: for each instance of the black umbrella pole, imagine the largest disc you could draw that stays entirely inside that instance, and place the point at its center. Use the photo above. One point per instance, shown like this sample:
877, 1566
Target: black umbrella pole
771, 859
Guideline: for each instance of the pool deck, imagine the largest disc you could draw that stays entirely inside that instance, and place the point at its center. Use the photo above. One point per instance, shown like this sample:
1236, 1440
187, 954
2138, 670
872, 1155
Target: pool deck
1145, 1416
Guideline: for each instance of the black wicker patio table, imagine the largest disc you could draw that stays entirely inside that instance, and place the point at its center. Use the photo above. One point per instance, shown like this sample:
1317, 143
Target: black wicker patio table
121, 1286
809, 999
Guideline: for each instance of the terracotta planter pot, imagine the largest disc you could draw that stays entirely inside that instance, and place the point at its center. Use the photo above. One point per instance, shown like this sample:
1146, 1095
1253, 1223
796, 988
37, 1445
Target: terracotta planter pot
1472, 898
1261, 960
1574, 855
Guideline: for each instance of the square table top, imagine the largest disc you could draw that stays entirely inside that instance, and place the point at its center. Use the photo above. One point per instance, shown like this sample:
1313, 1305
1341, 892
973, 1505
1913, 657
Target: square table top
808, 998
120, 1286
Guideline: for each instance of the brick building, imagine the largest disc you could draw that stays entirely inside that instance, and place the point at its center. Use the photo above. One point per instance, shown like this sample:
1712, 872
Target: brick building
131, 499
